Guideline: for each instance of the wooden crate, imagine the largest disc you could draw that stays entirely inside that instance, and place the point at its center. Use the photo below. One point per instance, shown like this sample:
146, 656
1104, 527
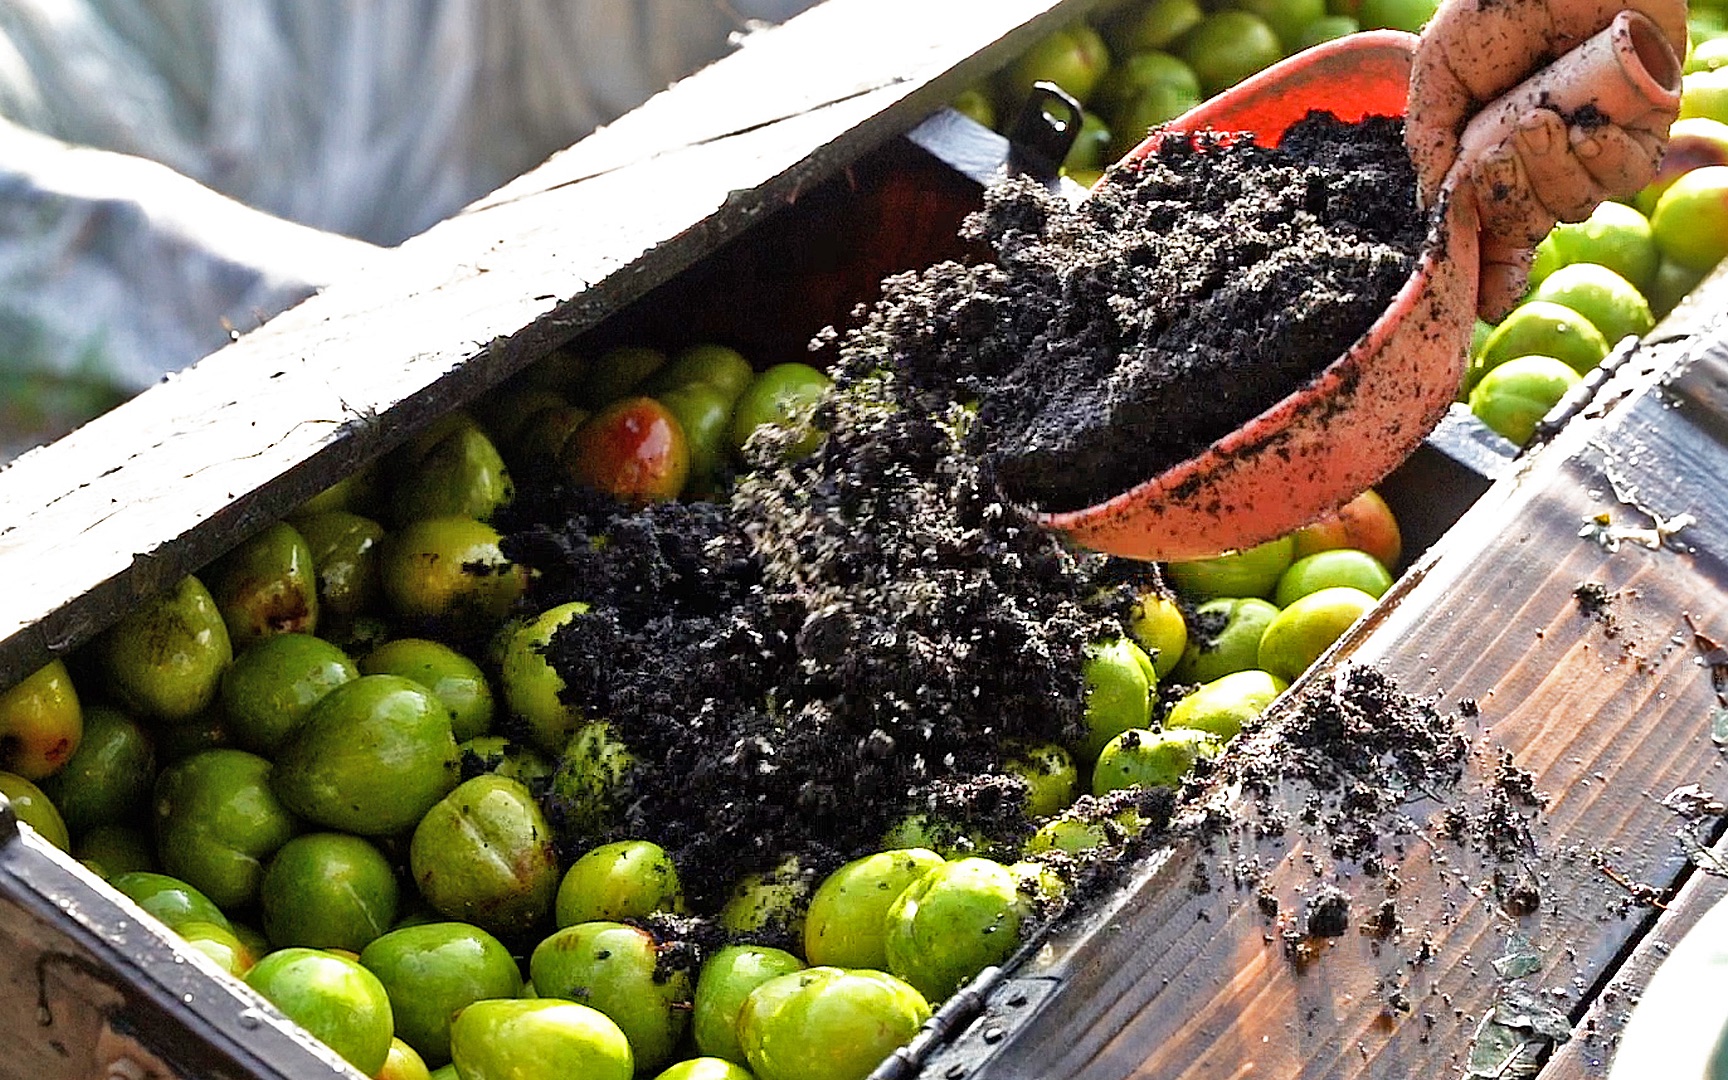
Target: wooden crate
789, 179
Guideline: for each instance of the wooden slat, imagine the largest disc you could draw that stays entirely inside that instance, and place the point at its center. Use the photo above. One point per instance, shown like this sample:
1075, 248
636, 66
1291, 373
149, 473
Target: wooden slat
84, 976
1590, 1052
162, 484
1187, 978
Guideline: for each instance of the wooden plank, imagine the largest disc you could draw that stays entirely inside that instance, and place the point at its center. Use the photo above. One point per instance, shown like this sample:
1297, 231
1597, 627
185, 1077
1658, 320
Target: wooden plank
159, 486
1589, 1054
1186, 976
85, 979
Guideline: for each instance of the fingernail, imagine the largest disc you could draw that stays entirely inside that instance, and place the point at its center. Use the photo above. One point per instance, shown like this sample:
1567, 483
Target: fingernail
1586, 147
1500, 174
1537, 135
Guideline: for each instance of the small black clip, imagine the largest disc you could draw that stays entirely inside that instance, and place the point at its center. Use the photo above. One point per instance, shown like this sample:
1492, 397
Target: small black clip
1044, 132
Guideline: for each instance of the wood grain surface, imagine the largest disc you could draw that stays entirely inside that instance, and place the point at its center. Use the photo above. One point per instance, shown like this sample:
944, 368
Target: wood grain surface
87, 983
1188, 975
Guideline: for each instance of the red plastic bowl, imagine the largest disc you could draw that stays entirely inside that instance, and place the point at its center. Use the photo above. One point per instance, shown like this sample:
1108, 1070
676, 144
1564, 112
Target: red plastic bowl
1350, 426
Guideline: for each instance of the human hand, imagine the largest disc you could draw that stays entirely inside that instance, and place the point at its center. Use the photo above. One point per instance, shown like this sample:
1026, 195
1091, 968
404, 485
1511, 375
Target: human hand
1547, 160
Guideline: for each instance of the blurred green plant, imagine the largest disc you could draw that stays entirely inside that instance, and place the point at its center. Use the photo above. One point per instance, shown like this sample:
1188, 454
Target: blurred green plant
41, 401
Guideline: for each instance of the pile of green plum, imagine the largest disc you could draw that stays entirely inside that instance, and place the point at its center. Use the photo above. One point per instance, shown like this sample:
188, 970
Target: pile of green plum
1142, 64
323, 762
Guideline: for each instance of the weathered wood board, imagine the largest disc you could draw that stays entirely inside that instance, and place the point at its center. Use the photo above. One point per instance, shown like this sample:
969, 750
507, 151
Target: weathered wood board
1609, 713
91, 988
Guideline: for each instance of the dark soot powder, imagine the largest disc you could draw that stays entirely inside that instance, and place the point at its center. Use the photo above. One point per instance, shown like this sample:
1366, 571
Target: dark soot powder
1192, 291
874, 629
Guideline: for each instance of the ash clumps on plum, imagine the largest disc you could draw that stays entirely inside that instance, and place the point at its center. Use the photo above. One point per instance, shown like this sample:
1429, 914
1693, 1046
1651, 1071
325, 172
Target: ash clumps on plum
859, 634
1189, 293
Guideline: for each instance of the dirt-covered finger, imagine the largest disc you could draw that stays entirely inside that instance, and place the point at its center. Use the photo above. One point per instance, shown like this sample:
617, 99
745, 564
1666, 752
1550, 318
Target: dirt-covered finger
1556, 176
1503, 279
1619, 163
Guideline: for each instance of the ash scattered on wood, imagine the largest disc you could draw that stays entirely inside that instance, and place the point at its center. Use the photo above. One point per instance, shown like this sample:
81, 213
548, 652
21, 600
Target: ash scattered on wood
1328, 912
1595, 600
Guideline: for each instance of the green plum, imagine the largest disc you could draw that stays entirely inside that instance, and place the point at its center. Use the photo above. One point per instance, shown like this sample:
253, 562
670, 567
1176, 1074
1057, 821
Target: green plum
164, 660
171, 901
846, 922
484, 854
783, 395
1120, 680
1337, 566
432, 971
769, 903
107, 779
1070, 834
1227, 47
1325, 28
544, 1039
1151, 758
403, 1064
953, 922
1074, 58
1222, 707
371, 757
113, 850
1308, 627
334, 998
704, 412
726, 979
1225, 638
35, 809
1156, 25
1158, 626
460, 475
825, 1023
617, 373
543, 438
718, 366
353, 492
1287, 18
266, 586
41, 722
975, 102
217, 821
1039, 881
591, 772
946, 836
561, 369
272, 685
1087, 827
344, 550
627, 879
453, 679
206, 731
497, 754
1051, 780
449, 568
1253, 572
530, 684
705, 1068
328, 891
220, 944
615, 968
